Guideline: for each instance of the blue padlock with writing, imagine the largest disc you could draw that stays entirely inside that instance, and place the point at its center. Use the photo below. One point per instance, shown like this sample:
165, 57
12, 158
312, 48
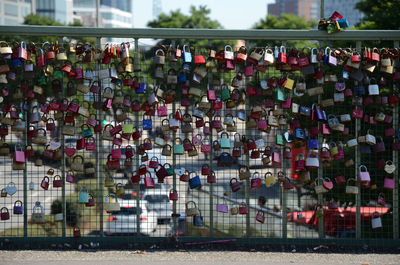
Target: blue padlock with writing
194, 183
147, 124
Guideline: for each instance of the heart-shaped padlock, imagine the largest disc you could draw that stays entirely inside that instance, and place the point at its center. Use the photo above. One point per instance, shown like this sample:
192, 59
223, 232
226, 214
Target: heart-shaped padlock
180, 171
389, 167
11, 188
327, 183
69, 151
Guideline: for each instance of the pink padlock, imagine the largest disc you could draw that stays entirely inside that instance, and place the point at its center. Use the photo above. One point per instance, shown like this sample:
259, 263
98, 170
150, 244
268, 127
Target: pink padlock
364, 174
19, 155
276, 158
388, 183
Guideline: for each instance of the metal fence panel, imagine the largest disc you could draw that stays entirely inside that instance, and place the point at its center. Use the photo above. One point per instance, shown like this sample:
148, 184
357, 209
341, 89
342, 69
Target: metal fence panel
288, 208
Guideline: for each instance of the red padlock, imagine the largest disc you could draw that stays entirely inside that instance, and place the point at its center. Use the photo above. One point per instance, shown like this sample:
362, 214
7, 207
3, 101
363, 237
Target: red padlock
4, 214
90, 202
45, 183
235, 185
173, 195
57, 181
211, 178
205, 170
255, 182
243, 209
340, 180
135, 178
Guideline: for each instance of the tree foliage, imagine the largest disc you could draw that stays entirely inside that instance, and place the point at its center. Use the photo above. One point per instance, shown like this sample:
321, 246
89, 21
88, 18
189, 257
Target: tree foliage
379, 14
286, 21
197, 19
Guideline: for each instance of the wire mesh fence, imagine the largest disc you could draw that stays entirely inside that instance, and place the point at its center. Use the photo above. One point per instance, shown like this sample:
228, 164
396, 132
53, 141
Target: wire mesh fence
187, 138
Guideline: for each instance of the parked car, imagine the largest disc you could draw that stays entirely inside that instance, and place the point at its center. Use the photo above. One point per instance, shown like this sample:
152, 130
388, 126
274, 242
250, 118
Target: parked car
124, 221
159, 203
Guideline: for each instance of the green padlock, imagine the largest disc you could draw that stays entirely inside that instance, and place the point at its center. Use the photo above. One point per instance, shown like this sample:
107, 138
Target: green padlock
178, 147
280, 96
58, 74
169, 169
127, 128
226, 93
86, 132
279, 139
225, 142
42, 80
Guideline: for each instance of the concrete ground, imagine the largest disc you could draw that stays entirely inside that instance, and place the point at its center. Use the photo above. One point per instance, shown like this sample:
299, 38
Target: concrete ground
48, 257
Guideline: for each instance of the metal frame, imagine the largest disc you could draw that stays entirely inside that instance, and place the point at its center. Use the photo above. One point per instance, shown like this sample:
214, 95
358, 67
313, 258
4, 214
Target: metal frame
221, 34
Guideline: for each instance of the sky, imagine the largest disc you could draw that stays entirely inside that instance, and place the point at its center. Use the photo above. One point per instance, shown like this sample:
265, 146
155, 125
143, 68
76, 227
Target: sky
232, 14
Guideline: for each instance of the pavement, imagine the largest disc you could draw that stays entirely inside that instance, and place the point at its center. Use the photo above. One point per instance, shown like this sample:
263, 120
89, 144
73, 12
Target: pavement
189, 257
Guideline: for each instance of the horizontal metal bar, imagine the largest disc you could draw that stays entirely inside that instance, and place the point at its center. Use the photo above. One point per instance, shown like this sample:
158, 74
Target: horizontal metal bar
174, 33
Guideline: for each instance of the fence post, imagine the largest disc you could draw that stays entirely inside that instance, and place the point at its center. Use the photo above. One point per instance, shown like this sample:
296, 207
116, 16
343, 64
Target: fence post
247, 110
396, 173
320, 197
210, 160
64, 203
26, 177
136, 67
99, 151
357, 162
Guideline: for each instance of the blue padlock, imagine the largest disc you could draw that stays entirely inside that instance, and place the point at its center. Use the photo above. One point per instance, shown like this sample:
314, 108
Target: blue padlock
312, 144
181, 78
187, 55
326, 56
18, 208
142, 86
147, 124
16, 62
198, 220
343, 23
359, 90
194, 183
300, 134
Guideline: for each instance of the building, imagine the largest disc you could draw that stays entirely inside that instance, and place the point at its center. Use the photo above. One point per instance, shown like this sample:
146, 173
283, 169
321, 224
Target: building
113, 13
344, 7
58, 10
12, 12
309, 9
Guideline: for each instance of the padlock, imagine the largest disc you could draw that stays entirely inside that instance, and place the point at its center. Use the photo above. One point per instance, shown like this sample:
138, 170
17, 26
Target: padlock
376, 221
351, 189
319, 187
44, 184
57, 182
260, 217
235, 185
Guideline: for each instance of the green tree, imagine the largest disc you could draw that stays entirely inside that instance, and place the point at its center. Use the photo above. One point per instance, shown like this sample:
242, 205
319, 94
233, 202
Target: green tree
198, 19
286, 21
379, 14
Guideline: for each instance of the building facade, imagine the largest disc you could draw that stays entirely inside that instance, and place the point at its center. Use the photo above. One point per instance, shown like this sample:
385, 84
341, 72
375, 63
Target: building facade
113, 13
58, 10
309, 9
346, 8
12, 12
